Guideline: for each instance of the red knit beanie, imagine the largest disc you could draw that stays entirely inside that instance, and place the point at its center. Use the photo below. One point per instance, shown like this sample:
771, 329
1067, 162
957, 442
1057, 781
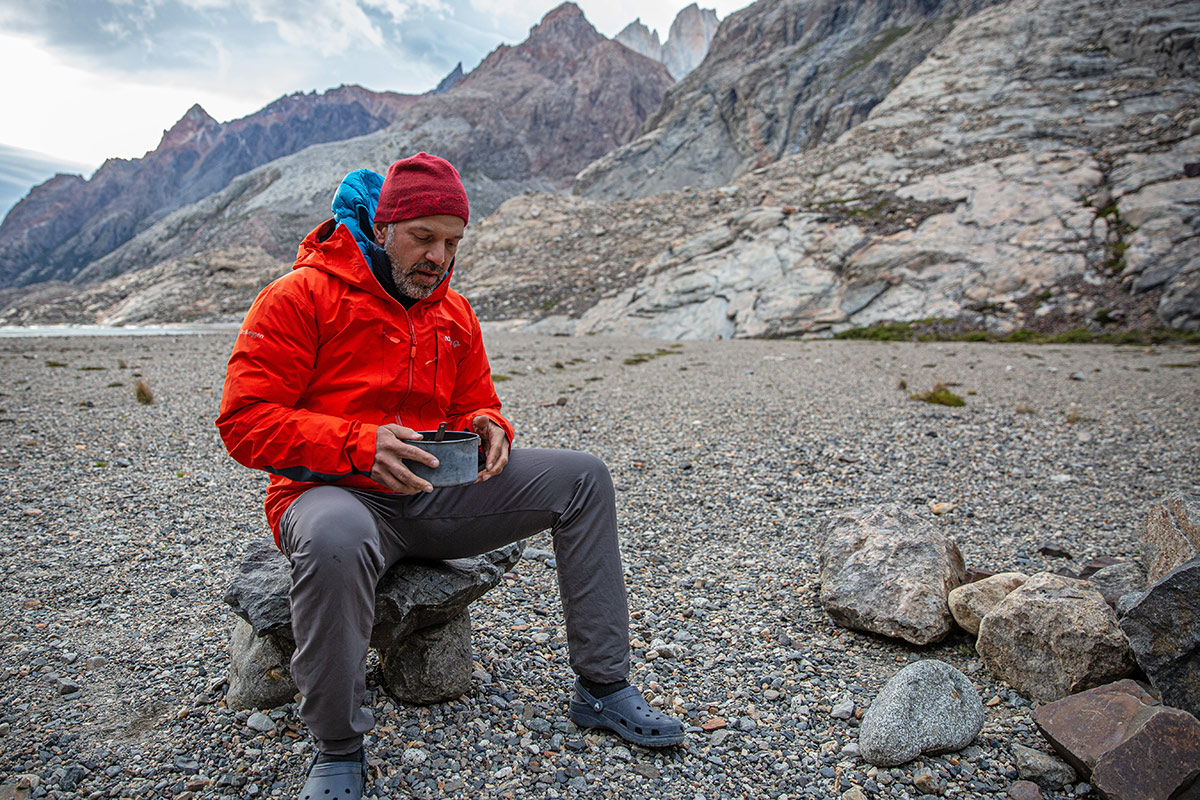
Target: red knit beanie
421, 186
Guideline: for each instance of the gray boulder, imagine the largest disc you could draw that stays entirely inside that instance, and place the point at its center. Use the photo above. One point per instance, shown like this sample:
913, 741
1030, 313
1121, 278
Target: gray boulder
1164, 631
887, 571
1052, 637
1171, 534
1117, 580
1042, 768
422, 629
927, 707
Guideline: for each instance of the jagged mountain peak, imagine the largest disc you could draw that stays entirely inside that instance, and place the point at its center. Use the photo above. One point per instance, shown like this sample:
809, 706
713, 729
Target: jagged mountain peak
563, 25
687, 40
555, 49
196, 126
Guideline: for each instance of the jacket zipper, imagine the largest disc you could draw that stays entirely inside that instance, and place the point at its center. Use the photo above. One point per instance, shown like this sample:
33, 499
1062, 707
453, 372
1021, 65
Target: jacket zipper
412, 361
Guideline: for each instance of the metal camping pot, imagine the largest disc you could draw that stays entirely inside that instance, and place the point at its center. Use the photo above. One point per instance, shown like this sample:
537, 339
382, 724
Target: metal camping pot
457, 453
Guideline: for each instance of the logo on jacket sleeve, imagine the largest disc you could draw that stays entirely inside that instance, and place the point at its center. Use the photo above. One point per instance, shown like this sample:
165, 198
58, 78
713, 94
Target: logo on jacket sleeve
451, 342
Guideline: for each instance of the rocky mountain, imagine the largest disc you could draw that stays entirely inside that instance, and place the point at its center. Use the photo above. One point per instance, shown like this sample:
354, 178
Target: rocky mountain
68, 222
687, 41
528, 117
1038, 169
779, 78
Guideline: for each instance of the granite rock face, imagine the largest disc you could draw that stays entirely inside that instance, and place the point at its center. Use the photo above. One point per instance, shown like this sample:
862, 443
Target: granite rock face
687, 41
1163, 627
993, 185
888, 571
1125, 742
970, 602
927, 707
780, 77
1053, 636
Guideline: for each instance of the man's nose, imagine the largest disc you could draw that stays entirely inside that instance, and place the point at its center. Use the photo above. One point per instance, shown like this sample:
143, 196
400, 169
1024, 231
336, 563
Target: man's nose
437, 253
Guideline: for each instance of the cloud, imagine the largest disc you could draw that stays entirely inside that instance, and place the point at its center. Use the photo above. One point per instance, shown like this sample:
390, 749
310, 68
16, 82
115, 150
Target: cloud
130, 68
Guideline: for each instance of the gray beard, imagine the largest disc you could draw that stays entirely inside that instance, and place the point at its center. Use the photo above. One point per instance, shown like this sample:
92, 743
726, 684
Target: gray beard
410, 288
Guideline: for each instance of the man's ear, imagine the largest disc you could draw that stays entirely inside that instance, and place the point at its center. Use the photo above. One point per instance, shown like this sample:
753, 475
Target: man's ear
380, 230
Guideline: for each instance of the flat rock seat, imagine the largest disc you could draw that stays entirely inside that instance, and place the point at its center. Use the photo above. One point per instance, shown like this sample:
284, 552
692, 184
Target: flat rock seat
422, 627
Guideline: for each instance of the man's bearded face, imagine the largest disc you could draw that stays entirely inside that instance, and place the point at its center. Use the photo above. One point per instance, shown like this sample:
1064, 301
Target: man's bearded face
421, 250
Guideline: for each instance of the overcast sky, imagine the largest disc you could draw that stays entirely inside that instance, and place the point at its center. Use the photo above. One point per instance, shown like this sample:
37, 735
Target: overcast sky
90, 79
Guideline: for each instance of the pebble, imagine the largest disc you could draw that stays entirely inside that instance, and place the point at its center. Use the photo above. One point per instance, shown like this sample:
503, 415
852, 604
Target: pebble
720, 563
260, 722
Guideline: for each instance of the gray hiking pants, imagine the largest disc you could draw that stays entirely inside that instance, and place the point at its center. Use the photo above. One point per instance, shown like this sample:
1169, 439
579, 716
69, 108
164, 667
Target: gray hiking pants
341, 541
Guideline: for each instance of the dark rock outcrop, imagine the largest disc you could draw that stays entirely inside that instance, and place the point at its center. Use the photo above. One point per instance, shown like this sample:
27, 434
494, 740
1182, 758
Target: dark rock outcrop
68, 222
1163, 627
452, 78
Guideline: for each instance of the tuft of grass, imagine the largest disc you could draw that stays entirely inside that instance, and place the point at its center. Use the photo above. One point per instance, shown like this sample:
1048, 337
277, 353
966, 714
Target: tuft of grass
500, 378
886, 332
141, 391
939, 395
56, 363
1025, 409
926, 330
642, 358
1075, 417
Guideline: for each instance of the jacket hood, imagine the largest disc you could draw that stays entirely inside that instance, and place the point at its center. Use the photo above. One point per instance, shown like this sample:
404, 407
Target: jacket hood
345, 245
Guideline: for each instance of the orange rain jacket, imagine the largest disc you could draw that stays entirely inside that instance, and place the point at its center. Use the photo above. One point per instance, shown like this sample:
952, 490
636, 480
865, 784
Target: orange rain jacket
325, 356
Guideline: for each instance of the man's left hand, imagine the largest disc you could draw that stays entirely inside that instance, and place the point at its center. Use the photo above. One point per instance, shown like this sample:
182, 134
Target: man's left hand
495, 447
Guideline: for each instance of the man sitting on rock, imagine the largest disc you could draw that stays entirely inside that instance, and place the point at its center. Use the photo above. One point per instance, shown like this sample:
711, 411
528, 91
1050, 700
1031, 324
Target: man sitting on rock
338, 364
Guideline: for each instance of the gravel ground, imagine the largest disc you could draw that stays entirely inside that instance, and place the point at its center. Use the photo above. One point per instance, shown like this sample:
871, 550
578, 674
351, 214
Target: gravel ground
124, 522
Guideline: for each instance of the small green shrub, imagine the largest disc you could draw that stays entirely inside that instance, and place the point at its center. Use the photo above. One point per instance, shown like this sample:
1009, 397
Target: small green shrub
939, 395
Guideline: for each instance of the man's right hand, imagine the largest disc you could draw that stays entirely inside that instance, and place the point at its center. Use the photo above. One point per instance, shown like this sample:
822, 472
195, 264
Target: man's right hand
390, 451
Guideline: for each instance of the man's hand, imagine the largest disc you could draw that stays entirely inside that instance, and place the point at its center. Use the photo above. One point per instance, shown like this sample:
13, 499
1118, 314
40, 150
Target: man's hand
495, 447
390, 452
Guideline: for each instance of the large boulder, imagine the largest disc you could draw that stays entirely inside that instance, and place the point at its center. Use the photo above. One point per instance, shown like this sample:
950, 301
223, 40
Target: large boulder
970, 602
422, 628
927, 707
886, 570
1171, 534
1125, 742
1164, 631
1052, 637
